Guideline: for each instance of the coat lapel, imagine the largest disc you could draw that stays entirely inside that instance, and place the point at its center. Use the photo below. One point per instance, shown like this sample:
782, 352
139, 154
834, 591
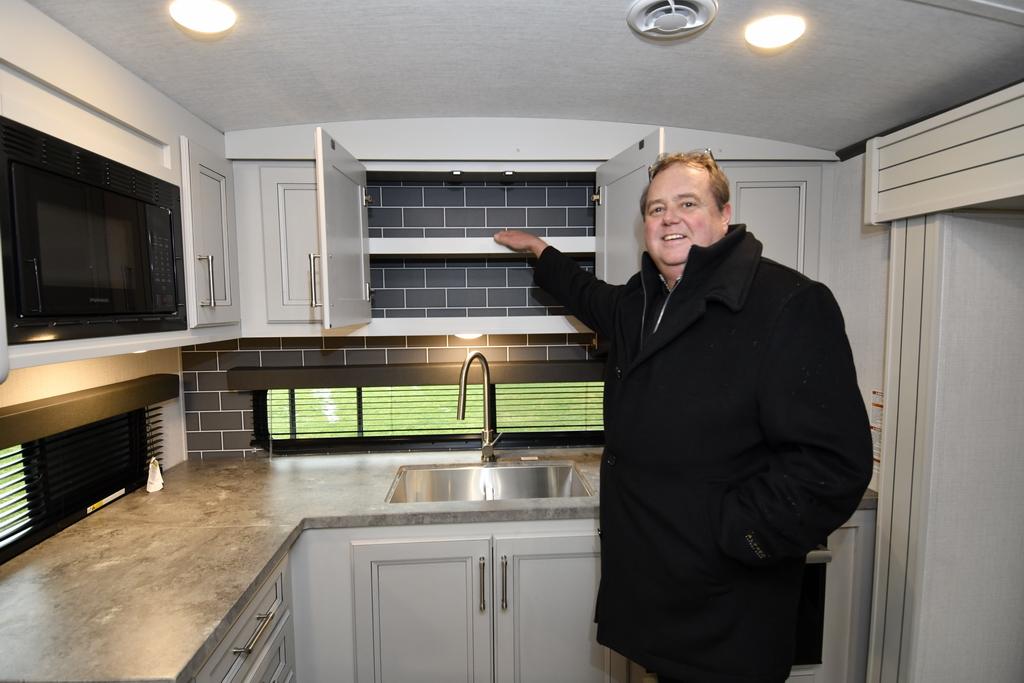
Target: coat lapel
726, 276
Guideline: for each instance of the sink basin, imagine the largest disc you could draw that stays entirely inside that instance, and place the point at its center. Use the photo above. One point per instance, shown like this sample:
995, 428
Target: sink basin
490, 481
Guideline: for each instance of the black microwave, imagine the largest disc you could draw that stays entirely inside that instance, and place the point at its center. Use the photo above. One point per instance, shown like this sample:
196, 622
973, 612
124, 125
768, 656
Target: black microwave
91, 247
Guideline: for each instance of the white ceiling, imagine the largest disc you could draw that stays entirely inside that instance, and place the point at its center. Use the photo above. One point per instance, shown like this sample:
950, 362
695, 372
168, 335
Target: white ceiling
863, 66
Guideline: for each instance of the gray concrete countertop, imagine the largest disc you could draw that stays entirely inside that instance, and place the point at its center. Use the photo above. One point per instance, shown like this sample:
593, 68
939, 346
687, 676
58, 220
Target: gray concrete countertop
145, 588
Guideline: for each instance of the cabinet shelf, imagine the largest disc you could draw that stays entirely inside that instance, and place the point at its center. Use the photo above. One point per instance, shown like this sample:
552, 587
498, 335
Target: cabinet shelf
456, 246
551, 324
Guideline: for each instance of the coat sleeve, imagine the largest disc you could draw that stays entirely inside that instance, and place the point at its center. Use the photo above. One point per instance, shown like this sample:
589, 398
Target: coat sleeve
816, 426
591, 300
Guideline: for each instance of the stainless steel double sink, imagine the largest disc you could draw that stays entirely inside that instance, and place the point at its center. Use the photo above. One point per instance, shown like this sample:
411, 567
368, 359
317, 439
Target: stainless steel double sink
488, 481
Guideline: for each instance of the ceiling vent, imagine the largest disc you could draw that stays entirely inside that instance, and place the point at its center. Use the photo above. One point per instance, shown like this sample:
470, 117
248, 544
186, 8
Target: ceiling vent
670, 18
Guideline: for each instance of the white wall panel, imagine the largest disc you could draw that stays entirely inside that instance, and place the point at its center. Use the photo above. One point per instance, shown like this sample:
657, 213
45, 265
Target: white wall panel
970, 588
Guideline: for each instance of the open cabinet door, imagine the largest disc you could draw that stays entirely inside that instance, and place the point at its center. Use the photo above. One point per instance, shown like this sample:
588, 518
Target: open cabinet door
619, 225
344, 239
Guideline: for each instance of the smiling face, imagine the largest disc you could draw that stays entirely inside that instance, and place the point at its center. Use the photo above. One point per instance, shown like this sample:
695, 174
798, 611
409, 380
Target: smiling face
681, 212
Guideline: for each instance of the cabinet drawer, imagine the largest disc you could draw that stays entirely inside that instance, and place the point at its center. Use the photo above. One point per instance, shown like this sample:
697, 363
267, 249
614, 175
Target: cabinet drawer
238, 652
276, 662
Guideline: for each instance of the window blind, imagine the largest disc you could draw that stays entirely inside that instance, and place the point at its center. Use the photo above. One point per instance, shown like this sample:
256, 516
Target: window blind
409, 412
50, 483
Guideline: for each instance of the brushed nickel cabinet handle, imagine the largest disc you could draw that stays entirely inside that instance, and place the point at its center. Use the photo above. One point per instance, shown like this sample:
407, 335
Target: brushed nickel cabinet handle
483, 581
264, 620
313, 258
504, 582
209, 270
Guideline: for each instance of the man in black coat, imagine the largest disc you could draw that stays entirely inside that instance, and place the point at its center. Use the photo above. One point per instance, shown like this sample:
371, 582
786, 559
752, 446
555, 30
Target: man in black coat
736, 438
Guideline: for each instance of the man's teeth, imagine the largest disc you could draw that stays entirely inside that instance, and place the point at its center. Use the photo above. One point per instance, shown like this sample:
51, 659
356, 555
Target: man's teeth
668, 238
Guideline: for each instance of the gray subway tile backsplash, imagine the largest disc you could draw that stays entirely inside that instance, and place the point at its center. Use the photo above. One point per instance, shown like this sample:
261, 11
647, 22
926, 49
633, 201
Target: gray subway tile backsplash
405, 287
526, 196
439, 209
219, 422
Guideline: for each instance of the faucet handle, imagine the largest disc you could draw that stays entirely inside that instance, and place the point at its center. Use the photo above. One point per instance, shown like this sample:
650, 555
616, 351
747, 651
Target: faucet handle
487, 446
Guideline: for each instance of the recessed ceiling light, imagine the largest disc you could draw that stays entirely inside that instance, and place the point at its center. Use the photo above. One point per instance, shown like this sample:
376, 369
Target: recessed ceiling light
204, 16
775, 31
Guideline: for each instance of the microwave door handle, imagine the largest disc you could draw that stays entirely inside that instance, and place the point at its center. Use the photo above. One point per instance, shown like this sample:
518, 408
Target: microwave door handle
39, 283
209, 270
129, 286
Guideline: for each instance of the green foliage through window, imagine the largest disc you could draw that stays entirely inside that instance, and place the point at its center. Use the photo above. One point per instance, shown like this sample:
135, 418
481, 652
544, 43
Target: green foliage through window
430, 410
14, 514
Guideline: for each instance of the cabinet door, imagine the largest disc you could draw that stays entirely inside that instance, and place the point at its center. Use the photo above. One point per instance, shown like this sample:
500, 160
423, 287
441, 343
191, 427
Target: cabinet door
780, 202
544, 595
781, 205
423, 611
208, 214
344, 236
290, 242
619, 227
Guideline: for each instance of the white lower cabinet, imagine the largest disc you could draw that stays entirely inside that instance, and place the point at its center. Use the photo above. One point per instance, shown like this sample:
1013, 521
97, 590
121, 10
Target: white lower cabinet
423, 610
544, 595
508, 601
259, 645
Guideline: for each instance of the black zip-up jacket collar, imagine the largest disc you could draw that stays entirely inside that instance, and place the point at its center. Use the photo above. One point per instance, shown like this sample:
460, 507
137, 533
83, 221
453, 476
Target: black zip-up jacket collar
723, 271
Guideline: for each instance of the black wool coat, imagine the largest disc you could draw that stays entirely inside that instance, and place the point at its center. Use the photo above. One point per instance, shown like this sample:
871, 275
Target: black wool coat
736, 440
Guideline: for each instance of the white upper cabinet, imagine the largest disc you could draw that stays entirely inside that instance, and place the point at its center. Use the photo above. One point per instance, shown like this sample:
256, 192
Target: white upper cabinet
290, 243
344, 259
304, 229
781, 203
208, 214
617, 220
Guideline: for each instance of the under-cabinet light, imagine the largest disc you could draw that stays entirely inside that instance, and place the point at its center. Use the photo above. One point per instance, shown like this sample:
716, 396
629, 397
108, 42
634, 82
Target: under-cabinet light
204, 16
776, 31
469, 336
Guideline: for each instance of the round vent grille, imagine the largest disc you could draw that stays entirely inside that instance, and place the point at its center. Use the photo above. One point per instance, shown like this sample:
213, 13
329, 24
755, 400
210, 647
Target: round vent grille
670, 18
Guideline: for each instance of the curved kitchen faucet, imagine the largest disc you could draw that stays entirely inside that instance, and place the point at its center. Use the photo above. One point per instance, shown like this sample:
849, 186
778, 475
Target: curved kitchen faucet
487, 435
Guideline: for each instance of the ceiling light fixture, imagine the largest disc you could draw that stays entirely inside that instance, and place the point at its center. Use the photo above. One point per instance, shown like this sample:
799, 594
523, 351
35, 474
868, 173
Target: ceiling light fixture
670, 18
204, 16
772, 32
